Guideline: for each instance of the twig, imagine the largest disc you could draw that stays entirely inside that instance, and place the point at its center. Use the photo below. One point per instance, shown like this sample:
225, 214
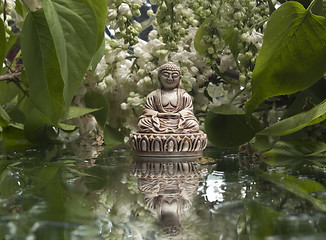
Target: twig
10, 76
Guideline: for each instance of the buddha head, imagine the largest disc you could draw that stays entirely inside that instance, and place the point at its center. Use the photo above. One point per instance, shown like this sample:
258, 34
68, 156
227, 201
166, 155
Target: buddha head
169, 76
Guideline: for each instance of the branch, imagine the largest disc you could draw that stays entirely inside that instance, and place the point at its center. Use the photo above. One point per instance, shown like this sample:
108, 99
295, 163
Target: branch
12, 77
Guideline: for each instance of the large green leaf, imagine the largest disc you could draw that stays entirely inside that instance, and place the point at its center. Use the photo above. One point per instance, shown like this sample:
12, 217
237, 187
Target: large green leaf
58, 44
297, 122
300, 187
3, 43
293, 55
42, 66
226, 127
77, 29
100, 9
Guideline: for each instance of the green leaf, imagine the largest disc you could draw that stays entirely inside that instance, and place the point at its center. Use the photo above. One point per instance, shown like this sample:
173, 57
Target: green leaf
75, 50
318, 8
98, 56
261, 143
79, 111
201, 32
14, 133
15, 139
228, 131
263, 218
297, 122
58, 45
231, 37
17, 115
112, 136
305, 3
300, 187
7, 92
228, 109
100, 9
42, 66
4, 117
67, 127
271, 6
16, 125
296, 149
315, 93
37, 129
3, 43
21, 9
97, 100
293, 55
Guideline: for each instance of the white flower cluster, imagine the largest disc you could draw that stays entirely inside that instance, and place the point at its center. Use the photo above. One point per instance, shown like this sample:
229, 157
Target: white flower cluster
120, 19
242, 18
128, 69
173, 18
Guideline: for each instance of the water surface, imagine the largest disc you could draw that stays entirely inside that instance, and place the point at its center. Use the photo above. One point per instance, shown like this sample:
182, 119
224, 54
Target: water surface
79, 191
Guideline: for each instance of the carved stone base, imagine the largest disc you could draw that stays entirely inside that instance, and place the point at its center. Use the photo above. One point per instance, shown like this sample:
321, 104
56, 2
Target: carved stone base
153, 144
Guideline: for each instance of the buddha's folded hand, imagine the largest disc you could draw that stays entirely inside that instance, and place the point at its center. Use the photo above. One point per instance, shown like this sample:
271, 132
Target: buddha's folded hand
168, 115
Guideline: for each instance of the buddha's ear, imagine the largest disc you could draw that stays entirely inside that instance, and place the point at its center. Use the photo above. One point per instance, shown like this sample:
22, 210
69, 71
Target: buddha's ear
180, 82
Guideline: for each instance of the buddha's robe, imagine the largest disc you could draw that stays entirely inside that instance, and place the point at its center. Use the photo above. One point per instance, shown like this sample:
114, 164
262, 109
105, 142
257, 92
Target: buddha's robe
185, 123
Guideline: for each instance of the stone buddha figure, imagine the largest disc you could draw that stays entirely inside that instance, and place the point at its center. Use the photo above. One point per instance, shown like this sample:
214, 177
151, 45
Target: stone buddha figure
169, 108
168, 125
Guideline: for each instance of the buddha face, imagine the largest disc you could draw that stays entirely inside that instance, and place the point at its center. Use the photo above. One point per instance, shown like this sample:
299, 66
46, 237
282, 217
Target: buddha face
169, 79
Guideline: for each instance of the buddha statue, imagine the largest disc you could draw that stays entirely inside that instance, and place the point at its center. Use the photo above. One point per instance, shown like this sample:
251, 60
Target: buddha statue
168, 124
169, 108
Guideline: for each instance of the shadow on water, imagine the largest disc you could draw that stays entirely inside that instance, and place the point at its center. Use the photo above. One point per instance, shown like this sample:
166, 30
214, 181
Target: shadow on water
81, 191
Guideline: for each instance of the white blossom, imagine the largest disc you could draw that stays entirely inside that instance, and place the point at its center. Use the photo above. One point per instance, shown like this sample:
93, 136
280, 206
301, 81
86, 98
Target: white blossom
101, 68
255, 37
124, 106
152, 35
112, 13
124, 9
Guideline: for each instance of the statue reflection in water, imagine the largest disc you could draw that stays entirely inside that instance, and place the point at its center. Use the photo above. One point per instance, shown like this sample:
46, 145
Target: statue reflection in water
168, 188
